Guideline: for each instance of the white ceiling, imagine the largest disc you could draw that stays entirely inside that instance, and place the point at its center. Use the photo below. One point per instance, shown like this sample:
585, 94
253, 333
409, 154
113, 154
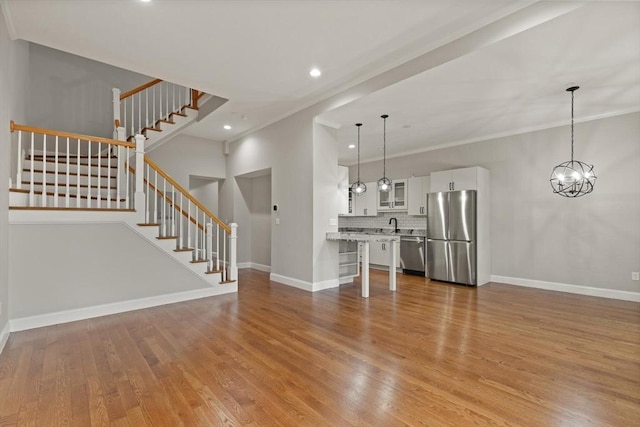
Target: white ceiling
258, 54
512, 86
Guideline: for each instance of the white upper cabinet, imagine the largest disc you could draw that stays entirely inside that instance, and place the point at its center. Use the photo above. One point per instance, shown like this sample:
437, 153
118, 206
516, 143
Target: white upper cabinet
365, 204
454, 180
418, 188
394, 200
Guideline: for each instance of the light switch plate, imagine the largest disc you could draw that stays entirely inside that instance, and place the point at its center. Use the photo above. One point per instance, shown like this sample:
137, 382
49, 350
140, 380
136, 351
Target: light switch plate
277, 221
333, 221
635, 275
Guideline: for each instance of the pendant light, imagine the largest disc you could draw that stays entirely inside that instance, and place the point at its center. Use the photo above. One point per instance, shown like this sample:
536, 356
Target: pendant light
573, 178
384, 183
358, 188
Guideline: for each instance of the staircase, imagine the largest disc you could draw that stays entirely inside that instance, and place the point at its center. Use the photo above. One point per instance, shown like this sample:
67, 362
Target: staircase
64, 177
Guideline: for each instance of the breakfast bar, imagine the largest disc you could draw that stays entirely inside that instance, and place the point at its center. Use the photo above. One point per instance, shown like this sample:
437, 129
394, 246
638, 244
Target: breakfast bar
364, 240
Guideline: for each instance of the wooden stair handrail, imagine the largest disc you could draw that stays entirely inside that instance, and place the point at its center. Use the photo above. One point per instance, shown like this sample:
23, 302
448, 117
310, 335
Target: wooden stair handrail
139, 89
185, 193
50, 132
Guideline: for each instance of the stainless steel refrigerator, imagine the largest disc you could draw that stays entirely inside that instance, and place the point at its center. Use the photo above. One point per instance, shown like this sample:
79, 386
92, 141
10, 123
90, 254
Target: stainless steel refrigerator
451, 236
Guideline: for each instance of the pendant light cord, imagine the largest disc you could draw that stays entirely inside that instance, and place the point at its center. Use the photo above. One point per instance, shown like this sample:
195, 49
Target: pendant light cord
572, 126
358, 125
384, 147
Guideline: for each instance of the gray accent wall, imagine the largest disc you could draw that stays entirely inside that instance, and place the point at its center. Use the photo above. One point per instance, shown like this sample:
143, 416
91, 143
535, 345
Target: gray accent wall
14, 70
74, 94
58, 267
590, 241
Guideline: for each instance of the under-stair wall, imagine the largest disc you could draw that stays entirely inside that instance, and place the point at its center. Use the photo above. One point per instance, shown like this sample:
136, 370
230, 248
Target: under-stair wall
65, 272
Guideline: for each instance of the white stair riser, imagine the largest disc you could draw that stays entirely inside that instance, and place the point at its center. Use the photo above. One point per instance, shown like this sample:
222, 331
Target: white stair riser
62, 179
74, 202
103, 192
62, 168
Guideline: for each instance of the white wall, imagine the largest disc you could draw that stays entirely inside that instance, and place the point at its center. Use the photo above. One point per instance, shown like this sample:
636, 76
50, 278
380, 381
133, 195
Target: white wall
261, 220
590, 241
206, 191
185, 156
74, 94
286, 148
82, 265
14, 70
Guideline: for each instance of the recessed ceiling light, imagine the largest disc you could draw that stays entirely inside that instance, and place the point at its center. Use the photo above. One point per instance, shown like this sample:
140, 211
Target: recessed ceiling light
145, 1
315, 72
227, 127
352, 145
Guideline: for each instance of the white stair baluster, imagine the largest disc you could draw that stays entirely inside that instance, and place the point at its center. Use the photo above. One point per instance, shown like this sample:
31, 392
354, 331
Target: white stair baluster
167, 100
127, 173
89, 201
99, 190
224, 257
164, 206
68, 176
189, 224
160, 103
55, 175
154, 104
180, 239
133, 132
43, 200
78, 199
118, 175
156, 214
139, 113
146, 110
148, 198
109, 177
173, 96
173, 211
217, 247
32, 196
20, 166
124, 115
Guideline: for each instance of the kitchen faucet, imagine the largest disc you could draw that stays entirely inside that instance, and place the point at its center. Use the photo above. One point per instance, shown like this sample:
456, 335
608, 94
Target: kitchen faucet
395, 230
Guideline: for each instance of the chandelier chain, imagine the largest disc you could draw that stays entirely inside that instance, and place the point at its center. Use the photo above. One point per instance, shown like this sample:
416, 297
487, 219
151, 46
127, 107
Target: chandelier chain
358, 125
384, 147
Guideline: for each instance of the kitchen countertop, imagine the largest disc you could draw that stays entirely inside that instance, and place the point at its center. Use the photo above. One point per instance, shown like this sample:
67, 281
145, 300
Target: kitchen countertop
362, 237
386, 231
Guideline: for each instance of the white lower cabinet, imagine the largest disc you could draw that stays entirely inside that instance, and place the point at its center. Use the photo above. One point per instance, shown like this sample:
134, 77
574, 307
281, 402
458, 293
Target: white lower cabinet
379, 253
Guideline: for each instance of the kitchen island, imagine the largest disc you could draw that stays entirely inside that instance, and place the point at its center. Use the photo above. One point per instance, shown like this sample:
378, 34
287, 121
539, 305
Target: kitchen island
364, 240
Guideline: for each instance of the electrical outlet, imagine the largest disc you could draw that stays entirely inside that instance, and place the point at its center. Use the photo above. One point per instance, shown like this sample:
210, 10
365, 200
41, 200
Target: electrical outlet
635, 275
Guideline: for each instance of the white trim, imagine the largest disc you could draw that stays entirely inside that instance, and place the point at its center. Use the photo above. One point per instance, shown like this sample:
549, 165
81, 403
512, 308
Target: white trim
255, 266
304, 285
4, 336
73, 315
326, 122
564, 287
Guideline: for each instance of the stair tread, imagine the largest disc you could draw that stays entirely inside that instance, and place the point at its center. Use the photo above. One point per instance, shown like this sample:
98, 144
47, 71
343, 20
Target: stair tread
196, 261
166, 237
183, 250
224, 282
190, 107
212, 271
153, 129
165, 121
148, 224
178, 114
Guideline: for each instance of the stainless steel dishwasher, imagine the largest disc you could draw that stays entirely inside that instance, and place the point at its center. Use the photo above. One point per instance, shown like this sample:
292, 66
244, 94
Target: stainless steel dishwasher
412, 255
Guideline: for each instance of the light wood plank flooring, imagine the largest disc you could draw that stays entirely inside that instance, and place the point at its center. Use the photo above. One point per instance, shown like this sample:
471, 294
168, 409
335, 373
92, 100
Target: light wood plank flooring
431, 354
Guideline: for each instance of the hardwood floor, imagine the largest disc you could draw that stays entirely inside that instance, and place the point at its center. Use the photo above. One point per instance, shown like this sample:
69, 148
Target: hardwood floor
429, 354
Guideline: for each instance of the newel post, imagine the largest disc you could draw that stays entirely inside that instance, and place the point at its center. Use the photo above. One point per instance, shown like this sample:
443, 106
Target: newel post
116, 113
233, 264
139, 200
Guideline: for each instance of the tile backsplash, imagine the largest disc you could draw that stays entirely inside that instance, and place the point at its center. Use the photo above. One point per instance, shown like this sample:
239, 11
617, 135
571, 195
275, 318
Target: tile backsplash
405, 222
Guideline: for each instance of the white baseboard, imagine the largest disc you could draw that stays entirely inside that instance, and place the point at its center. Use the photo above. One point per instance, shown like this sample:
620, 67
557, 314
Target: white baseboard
563, 287
66, 316
304, 285
4, 336
255, 265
